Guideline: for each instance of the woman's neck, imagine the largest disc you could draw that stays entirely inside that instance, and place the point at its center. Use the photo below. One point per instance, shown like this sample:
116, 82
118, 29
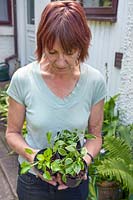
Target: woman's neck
53, 73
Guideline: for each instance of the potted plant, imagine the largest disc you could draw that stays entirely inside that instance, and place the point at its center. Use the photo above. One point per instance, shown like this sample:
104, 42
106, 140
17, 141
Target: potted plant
64, 156
113, 167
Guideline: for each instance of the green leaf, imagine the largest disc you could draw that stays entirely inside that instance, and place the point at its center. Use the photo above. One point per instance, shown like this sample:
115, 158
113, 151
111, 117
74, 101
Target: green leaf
24, 164
89, 136
70, 148
47, 176
64, 178
69, 169
62, 152
40, 165
77, 167
84, 151
60, 143
29, 151
49, 136
48, 164
40, 157
24, 170
25, 167
47, 153
68, 161
55, 166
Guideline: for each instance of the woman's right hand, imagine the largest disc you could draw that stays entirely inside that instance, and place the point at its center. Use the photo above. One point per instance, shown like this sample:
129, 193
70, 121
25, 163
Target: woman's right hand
56, 180
52, 182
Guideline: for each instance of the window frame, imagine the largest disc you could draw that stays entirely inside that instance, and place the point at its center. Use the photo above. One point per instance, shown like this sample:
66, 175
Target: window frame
9, 11
102, 13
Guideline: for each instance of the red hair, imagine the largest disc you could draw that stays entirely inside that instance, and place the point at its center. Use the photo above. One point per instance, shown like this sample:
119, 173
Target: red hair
66, 21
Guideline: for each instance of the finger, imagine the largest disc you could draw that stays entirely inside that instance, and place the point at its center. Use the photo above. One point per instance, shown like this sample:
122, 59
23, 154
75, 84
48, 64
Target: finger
52, 182
59, 180
62, 187
85, 177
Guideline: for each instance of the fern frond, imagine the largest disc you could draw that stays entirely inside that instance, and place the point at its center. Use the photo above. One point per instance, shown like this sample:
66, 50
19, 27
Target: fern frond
117, 148
119, 169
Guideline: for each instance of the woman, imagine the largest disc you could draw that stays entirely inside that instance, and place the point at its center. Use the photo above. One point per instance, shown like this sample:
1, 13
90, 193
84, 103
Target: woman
56, 92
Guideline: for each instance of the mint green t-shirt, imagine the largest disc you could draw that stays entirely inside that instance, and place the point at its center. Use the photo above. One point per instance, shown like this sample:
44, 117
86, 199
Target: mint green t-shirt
47, 112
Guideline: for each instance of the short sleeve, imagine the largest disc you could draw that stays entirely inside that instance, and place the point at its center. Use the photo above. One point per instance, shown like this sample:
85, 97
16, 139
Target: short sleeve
15, 89
99, 89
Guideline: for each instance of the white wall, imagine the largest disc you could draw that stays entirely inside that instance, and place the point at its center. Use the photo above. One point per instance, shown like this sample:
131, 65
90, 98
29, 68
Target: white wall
39, 7
6, 42
126, 83
107, 38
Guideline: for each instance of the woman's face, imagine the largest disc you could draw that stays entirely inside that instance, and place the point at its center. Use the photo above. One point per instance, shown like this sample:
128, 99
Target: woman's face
60, 60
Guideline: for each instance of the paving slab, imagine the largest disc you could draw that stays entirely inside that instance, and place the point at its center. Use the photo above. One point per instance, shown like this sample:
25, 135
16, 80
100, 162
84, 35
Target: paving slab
5, 191
8, 170
9, 166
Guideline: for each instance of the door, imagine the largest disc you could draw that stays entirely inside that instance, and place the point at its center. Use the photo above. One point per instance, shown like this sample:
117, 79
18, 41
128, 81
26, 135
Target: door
30, 30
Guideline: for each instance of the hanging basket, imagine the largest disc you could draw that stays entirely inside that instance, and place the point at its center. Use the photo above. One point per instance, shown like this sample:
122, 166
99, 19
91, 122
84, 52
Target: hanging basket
4, 72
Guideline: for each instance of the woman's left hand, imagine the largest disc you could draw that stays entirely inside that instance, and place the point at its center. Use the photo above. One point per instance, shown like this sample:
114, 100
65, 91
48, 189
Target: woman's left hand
61, 186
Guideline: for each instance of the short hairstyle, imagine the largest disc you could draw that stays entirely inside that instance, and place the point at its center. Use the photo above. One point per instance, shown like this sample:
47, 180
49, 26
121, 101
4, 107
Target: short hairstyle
66, 21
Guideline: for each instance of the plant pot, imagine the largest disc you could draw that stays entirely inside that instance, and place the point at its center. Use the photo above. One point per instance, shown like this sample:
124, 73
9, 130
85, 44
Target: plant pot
78, 147
40, 170
4, 72
108, 190
75, 181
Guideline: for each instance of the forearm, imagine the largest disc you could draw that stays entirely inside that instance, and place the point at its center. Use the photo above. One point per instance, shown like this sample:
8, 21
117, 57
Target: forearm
94, 127
93, 147
18, 144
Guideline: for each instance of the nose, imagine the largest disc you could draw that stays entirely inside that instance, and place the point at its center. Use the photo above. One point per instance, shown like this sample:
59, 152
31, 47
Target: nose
61, 60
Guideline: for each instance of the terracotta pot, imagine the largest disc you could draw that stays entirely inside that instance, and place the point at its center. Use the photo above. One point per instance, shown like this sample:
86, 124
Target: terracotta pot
108, 191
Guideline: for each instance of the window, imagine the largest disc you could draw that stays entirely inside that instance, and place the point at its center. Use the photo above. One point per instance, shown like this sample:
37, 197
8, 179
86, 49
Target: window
5, 12
30, 12
103, 10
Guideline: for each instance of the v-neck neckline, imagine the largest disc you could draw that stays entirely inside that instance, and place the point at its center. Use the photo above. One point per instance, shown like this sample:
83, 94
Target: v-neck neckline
77, 90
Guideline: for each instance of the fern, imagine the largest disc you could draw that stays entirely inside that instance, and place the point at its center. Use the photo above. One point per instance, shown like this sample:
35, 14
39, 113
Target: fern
119, 169
117, 148
117, 163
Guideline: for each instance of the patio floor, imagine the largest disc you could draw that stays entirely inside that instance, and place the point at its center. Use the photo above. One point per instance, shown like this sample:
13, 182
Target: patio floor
8, 170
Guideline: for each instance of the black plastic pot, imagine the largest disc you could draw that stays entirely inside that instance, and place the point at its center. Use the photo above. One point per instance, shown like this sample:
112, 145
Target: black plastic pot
75, 181
36, 166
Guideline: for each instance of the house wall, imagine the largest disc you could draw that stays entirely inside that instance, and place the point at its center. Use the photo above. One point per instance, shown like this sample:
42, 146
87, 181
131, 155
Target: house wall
126, 83
39, 6
108, 38
7, 45
6, 42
